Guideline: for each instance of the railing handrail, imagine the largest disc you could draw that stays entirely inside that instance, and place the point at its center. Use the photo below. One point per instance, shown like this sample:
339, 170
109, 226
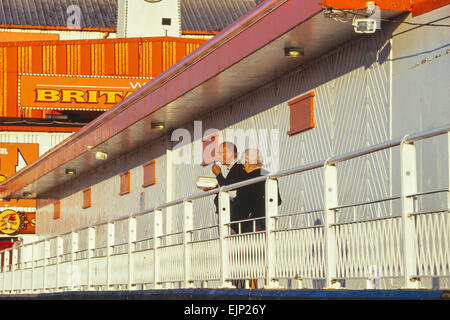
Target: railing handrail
410, 138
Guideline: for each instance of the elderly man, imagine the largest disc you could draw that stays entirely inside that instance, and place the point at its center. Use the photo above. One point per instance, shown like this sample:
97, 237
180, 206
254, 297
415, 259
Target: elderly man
227, 155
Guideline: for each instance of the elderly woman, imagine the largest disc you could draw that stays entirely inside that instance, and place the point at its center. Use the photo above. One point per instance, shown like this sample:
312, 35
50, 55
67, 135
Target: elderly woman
250, 200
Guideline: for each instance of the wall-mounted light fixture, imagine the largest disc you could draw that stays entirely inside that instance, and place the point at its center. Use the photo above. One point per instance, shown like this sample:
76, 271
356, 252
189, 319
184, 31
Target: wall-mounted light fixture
101, 155
152, 1
28, 195
71, 172
158, 125
294, 52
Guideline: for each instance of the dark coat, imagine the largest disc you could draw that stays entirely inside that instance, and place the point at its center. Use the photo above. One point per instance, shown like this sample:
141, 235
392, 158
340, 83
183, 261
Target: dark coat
249, 202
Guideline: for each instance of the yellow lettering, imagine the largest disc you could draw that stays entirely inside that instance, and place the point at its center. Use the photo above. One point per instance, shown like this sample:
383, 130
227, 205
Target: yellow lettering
111, 95
129, 94
92, 97
77, 95
47, 95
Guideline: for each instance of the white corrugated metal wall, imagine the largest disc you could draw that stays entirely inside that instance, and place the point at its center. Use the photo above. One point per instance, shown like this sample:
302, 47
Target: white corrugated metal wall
46, 140
354, 108
105, 198
351, 111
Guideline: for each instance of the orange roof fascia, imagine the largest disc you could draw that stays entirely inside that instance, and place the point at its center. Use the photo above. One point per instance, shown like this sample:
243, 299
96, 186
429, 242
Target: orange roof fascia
394, 5
39, 128
423, 6
15, 36
97, 41
60, 28
417, 7
199, 32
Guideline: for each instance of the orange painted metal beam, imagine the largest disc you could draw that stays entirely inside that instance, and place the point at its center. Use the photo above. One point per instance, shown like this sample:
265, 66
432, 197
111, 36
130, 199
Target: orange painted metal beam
417, 7
98, 41
9, 36
199, 32
61, 28
424, 6
394, 5
39, 129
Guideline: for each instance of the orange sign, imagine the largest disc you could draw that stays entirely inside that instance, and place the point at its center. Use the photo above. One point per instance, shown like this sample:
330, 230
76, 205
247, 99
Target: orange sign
75, 92
13, 157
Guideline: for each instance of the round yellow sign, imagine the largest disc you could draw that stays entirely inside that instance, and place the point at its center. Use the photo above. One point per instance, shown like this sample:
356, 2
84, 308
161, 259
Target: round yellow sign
10, 222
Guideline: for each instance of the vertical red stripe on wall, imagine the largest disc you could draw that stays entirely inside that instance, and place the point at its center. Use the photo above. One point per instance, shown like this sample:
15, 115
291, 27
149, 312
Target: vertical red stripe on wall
61, 59
12, 81
157, 55
36, 67
133, 59
36, 62
86, 59
181, 50
110, 63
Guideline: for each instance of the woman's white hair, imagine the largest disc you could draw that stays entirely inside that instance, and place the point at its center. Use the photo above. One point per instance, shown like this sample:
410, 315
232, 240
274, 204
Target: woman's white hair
253, 156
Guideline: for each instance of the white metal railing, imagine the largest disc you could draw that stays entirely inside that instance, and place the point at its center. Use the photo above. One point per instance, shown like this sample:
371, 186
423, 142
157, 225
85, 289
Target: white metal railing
401, 249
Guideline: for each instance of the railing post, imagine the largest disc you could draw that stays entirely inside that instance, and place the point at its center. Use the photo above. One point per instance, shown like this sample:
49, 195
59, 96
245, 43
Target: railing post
90, 253
2, 271
157, 229
6, 263
59, 253
74, 249
188, 213
13, 261
33, 262
330, 201
271, 205
224, 219
44, 264
408, 188
22, 267
33, 255
131, 248
109, 250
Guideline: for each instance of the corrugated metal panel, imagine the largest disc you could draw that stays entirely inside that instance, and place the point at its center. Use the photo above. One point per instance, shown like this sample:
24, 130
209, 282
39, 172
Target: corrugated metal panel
212, 15
94, 13
45, 140
102, 14
146, 57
